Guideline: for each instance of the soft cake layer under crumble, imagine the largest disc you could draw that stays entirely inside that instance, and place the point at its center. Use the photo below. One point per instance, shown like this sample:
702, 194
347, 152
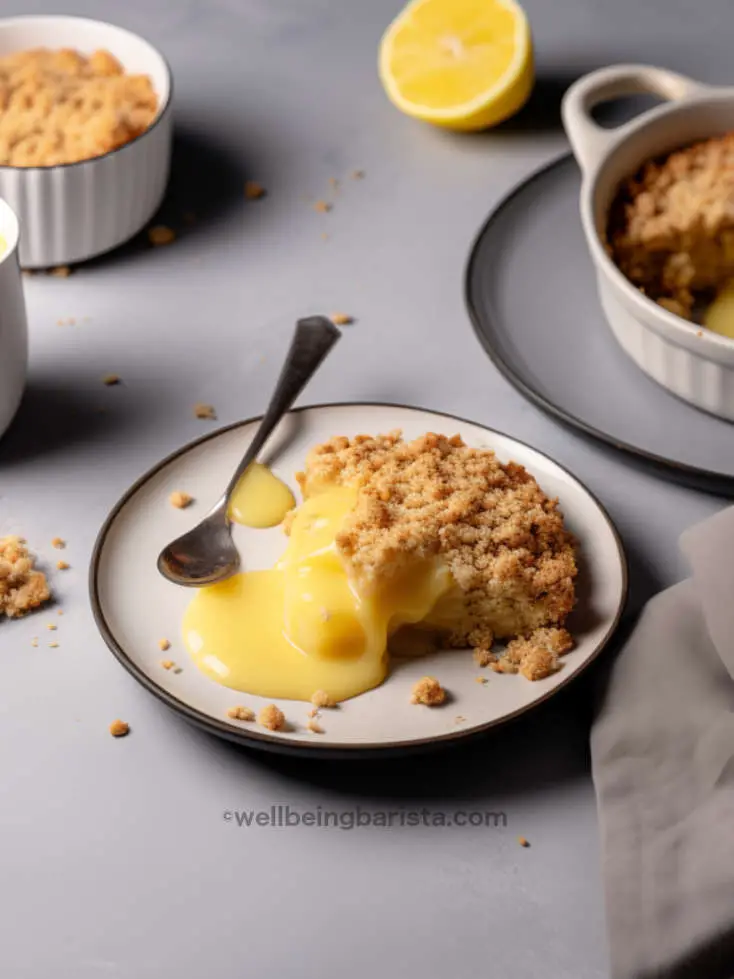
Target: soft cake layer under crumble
671, 228
500, 535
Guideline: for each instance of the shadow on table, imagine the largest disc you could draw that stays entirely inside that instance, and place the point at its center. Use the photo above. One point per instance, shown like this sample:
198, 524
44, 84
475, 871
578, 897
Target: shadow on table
57, 414
538, 751
207, 181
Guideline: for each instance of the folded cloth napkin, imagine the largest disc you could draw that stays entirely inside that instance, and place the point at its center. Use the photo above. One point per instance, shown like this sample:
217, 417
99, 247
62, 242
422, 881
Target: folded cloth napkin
662, 749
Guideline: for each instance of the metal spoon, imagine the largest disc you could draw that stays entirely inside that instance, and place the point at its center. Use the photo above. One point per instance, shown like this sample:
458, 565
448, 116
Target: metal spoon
207, 553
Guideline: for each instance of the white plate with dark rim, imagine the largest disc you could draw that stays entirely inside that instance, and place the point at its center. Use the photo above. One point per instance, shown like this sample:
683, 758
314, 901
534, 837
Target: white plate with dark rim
135, 607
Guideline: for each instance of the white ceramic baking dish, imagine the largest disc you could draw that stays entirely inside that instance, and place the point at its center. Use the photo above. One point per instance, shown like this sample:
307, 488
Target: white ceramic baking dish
72, 212
13, 327
694, 364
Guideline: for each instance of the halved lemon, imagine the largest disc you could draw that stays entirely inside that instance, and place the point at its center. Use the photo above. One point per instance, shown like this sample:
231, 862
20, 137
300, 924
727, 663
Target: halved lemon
461, 64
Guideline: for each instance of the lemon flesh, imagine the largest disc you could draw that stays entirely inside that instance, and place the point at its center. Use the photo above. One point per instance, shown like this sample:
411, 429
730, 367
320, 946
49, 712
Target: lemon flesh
461, 64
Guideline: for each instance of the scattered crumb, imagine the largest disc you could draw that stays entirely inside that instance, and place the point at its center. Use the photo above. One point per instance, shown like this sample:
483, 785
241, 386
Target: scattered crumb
60, 611
52, 627
167, 664
333, 182
320, 698
314, 727
62, 565
53, 645
164, 644
22, 588
357, 174
254, 190
341, 319
180, 500
34, 642
241, 714
118, 729
272, 718
58, 543
110, 379
204, 411
161, 234
483, 657
322, 207
522, 841
324, 236
428, 691
459, 719
481, 679
314, 712
536, 656
60, 272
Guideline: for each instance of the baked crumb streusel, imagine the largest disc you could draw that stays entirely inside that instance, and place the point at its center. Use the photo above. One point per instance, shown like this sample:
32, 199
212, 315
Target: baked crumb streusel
499, 534
22, 587
671, 227
63, 107
428, 691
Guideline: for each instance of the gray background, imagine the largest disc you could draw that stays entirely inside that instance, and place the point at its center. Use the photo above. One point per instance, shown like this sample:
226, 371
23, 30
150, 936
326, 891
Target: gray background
115, 859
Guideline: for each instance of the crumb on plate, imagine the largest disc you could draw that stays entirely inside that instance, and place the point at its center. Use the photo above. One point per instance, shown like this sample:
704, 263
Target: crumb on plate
59, 543
164, 644
272, 718
320, 698
322, 207
357, 174
53, 645
428, 691
481, 679
240, 713
341, 319
314, 727
62, 565
483, 657
522, 841
118, 729
111, 379
167, 664
51, 626
535, 656
180, 500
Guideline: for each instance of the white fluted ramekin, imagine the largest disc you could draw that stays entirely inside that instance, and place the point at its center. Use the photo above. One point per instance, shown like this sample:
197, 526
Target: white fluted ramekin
696, 365
13, 326
72, 212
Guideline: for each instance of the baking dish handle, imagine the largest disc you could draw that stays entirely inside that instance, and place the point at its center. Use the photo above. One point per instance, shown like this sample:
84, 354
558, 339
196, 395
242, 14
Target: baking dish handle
589, 141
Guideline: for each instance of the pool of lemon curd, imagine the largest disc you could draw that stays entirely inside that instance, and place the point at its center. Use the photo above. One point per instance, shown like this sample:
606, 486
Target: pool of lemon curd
302, 626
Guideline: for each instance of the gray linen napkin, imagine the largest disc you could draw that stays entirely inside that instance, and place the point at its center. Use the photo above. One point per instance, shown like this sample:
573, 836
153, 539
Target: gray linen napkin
662, 750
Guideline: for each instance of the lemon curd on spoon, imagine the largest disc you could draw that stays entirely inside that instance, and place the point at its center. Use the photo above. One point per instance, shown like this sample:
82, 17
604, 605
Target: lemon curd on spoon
392, 535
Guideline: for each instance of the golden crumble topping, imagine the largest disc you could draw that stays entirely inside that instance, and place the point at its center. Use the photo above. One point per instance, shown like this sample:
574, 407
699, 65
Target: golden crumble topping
272, 718
63, 107
535, 656
671, 228
22, 588
428, 691
501, 537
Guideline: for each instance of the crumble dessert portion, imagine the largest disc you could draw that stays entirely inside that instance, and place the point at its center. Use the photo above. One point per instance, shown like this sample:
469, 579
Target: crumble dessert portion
671, 227
63, 107
22, 587
504, 541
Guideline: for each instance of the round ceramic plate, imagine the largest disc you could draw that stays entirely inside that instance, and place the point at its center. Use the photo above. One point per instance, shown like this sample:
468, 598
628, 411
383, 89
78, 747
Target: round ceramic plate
135, 607
531, 293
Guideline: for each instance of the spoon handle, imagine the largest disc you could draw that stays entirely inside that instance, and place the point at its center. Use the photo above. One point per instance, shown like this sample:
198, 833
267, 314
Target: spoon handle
313, 339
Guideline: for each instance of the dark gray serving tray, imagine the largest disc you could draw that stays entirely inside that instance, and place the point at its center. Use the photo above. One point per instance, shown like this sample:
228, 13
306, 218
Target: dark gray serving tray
531, 294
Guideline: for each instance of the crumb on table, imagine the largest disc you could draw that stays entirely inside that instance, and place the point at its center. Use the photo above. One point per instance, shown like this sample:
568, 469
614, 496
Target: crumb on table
341, 319
161, 234
22, 587
62, 565
204, 411
180, 500
111, 379
118, 729
254, 190
428, 691
59, 543
272, 718
322, 207
240, 713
